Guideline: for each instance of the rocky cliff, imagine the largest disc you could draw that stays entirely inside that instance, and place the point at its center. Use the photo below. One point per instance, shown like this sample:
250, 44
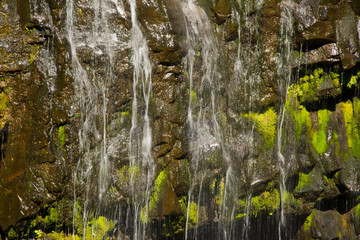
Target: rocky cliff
168, 119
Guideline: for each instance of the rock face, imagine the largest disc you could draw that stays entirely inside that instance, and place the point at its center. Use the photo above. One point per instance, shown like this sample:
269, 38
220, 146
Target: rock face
253, 118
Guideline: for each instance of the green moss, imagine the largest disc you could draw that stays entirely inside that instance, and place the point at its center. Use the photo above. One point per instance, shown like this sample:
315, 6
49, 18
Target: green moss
219, 198
193, 208
299, 115
61, 135
319, 138
158, 188
304, 181
61, 236
265, 125
291, 202
97, 228
357, 215
308, 223
193, 96
351, 114
213, 185
267, 202
34, 53
127, 172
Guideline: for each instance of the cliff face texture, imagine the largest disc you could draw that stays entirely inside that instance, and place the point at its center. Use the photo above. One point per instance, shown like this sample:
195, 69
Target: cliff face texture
168, 119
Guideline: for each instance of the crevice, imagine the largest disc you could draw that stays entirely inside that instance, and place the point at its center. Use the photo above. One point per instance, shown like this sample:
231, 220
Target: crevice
342, 203
313, 44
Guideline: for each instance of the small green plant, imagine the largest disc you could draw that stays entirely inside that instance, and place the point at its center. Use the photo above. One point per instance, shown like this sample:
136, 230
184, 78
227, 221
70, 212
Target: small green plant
39, 234
34, 53
61, 135
268, 201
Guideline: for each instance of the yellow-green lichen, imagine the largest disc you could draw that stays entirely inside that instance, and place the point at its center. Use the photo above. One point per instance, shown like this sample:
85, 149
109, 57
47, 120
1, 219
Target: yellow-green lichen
265, 125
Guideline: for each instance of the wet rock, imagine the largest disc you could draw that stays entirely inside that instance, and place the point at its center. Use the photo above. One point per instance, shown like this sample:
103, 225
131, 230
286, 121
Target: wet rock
327, 53
222, 11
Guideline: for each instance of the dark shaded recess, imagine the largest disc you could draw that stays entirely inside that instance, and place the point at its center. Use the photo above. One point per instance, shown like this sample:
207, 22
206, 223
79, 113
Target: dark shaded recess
312, 44
342, 203
2, 234
160, 228
328, 103
261, 227
265, 226
4, 133
291, 182
23, 9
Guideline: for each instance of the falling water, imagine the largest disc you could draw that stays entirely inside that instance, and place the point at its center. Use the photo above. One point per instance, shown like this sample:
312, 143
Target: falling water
284, 73
91, 85
140, 147
248, 80
203, 132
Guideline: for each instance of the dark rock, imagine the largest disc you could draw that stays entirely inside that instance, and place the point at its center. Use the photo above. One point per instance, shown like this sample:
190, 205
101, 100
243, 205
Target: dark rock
327, 225
347, 38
